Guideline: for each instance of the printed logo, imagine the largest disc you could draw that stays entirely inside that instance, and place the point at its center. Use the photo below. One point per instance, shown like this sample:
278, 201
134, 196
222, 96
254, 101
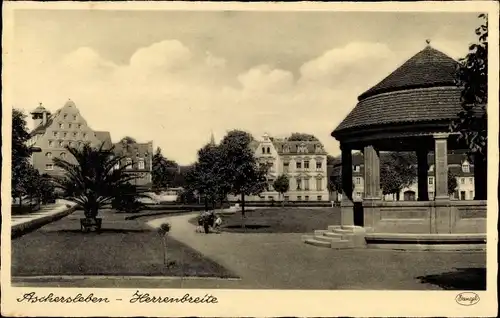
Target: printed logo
467, 299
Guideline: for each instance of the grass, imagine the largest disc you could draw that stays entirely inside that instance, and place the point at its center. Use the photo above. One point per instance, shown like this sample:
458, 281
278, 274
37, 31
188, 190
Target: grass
124, 247
280, 220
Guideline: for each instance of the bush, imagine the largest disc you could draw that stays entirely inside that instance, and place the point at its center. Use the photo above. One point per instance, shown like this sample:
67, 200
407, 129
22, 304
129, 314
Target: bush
128, 202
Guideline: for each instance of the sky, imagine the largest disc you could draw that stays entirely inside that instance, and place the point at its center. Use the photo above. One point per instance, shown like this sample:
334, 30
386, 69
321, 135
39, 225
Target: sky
173, 77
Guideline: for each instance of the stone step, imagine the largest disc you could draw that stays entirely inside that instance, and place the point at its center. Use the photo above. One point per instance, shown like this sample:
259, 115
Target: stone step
332, 234
333, 227
320, 232
327, 238
343, 231
312, 241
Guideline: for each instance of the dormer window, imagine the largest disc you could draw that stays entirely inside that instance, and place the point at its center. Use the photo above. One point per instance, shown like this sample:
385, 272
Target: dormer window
141, 163
319, 148
465, 167
63, 155
286, 149
74, 117
355, 168
263, 150
268, 150
431, 168
65, 116
61, 125
128, 162
48, 155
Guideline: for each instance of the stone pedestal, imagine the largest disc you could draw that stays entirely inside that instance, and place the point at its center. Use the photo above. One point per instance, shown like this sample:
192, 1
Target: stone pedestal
372, 198
346, 205
346, 211
441, 217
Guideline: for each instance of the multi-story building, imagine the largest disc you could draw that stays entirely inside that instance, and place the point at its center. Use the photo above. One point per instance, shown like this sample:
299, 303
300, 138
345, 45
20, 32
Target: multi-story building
67, 127
303, 162
139, 160
458, 164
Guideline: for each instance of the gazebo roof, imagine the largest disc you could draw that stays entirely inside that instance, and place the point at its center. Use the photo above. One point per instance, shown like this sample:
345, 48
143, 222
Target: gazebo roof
421, 90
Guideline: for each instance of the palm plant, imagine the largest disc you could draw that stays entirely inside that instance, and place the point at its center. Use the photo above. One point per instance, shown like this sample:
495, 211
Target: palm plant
93, 179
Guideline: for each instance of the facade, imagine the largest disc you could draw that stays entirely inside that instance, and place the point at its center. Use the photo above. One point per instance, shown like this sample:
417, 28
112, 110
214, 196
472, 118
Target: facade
139, 158
67, 127
304, 162
458, 164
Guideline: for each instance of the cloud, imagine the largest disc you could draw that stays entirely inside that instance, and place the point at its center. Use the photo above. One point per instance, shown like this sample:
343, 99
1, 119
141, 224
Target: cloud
175, 96
336, 61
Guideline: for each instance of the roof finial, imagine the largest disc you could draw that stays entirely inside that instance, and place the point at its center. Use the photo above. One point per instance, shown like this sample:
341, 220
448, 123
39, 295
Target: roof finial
212, 138
428, 41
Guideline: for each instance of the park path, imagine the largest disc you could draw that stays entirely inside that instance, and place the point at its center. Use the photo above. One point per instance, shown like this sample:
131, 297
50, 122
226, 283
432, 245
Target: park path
283, 261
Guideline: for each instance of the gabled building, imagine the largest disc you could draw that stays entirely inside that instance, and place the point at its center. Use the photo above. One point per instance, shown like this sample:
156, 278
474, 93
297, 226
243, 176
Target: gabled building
304, 162
67, 127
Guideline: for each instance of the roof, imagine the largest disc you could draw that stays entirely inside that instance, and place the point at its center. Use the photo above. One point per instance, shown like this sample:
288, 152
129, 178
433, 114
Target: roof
428, 67
280, 145
134, 148
105, 137
422, 89
40, 109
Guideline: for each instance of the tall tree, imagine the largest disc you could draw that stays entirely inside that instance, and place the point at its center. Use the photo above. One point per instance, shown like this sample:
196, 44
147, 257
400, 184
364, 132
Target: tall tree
302, 137
472, 78
397, 171
164, 171
240, 166
282, 185
20, 154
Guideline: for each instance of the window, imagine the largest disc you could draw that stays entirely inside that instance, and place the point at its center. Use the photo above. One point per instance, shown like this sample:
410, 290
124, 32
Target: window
358, 180
431, 168
128, 162
466, 168
74, 134
49, 166
141, 163
286, 149
63, 155
74, 117
319, 184
69, 125
285, 167
65, 134
306, 164
356, 168
462, 195
79, 126
462, 180
299, 165
306, 184
61, 144
299, 184
55, 133
65, 116
268, 150
306, 198
471, 180
48, 155
71, 144
319, 198
299, 198
318, 165
263, 150
117, 165
61, 125
84, 136
51, 143
358, 194
431, 180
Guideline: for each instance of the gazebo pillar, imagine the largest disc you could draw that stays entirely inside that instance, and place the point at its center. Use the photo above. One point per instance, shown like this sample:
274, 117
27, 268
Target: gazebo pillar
480, 177
441, 166
423, 168
371, 200
441, 215
346, 206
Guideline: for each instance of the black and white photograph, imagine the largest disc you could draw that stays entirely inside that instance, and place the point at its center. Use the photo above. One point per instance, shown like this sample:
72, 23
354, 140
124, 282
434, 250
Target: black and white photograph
208, 152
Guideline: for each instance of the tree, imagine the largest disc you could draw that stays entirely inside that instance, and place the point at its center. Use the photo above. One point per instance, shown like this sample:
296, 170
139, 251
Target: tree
331, 160
240, 166
472, 78
302, 137
163, 231
92, 179
282, 185
452, 182
397, 171
20, 154
163, 172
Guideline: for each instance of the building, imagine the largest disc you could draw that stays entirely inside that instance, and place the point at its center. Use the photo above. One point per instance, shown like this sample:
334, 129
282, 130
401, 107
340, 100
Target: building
139, 160
458, 164
67, 127
304, 162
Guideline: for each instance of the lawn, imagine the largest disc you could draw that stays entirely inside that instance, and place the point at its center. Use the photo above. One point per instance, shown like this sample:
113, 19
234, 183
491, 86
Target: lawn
280, 220
124, 247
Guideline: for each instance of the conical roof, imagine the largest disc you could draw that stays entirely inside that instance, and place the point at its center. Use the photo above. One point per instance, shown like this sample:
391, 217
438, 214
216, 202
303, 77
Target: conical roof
427, 68
422, 89
39, 110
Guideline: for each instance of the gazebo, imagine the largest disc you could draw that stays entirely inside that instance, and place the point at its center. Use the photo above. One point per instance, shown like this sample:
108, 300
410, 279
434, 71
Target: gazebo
409, 110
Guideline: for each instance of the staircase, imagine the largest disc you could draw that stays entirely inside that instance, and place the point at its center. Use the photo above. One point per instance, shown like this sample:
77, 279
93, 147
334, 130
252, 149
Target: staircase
337, 237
